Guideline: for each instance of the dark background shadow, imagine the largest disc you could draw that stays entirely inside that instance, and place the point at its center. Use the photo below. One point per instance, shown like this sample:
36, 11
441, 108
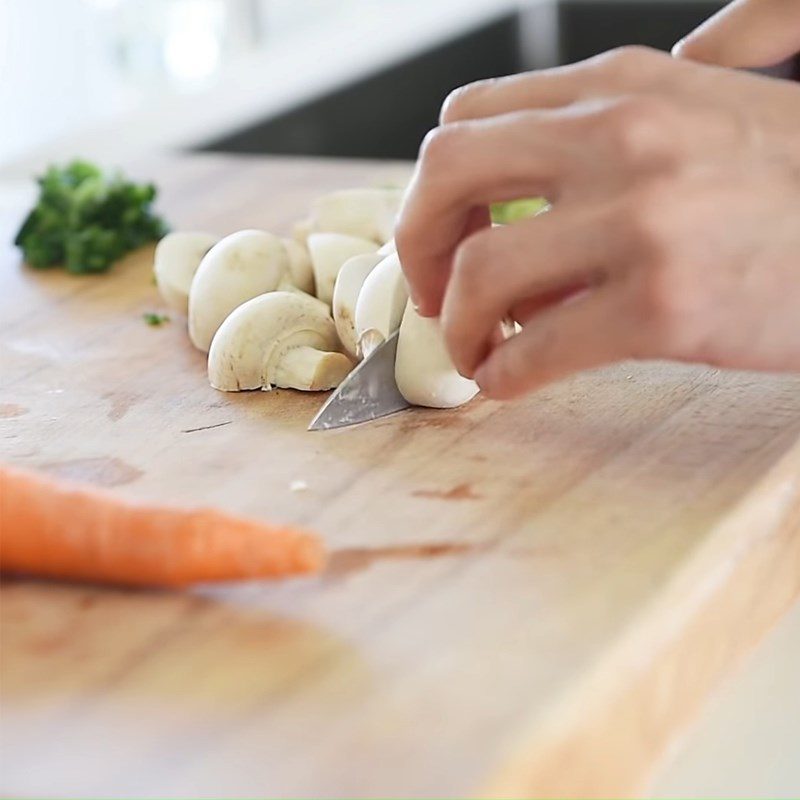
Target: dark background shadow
387, 114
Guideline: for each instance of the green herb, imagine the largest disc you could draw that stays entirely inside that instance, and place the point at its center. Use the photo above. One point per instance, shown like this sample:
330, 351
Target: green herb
86, 220
155, 319
513, 210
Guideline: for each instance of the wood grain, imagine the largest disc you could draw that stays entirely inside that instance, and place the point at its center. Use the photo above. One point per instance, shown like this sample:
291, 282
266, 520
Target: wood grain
524, 599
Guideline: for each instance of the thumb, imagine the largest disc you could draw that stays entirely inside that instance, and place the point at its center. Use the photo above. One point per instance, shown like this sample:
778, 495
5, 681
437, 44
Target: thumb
746, 33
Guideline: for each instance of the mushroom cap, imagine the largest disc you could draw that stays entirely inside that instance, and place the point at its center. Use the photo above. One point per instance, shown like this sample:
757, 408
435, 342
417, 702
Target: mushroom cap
176, 259
328, 252
424, 372
369, 213
345, 297
380, 304
301, 273
238, 268
254, 338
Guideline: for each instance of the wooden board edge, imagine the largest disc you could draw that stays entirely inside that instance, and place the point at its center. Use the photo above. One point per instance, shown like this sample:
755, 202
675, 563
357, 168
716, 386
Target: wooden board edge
606, 738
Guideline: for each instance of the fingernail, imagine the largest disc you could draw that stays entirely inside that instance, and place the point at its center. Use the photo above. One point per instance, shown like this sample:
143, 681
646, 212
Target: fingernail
416, 303
424, 309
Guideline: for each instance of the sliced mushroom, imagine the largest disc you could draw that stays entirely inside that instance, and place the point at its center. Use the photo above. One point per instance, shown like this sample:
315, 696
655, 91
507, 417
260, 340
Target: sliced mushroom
241, 266
328, 252
368, 213
277, 339
380, 304
177, 257
423, 370
345, 296
300, 270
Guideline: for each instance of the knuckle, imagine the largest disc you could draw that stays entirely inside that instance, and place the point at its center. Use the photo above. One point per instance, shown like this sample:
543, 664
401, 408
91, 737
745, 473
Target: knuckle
631, 57
460, 101
642, 129
439, 146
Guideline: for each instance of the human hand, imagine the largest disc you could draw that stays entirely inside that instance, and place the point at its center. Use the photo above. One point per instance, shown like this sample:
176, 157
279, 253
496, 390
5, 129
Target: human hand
746, 33
675, 229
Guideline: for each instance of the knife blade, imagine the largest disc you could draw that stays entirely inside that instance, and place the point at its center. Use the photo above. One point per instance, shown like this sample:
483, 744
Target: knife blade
367, 393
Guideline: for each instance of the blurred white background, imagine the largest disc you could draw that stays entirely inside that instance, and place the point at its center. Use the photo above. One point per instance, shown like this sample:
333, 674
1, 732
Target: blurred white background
178, 73
66, 63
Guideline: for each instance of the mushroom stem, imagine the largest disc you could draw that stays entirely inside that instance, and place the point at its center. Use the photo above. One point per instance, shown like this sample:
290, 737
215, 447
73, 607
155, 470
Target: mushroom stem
311, 370
370, 340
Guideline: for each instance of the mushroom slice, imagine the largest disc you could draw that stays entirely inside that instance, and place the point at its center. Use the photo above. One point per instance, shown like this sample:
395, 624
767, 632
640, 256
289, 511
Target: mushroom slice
300, 271
380, 304
423, 370
277, 339
369, 213
345, 296
177, 257
329, 251
241, 266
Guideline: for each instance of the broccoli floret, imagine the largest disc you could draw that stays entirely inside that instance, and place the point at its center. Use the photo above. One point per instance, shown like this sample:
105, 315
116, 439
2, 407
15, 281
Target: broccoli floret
513, 210
85, 220
151, 318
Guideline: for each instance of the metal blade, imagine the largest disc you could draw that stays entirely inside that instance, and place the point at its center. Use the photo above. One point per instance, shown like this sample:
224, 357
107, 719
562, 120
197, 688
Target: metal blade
368, 392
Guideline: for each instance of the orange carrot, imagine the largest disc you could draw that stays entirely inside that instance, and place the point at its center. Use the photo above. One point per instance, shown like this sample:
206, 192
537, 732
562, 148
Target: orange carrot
56, 530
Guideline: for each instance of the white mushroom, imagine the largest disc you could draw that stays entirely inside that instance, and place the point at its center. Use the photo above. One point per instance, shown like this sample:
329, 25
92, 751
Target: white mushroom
345, 296
277, 339
301, 230
388, 248
177, 258
241, 266
367, 213
287, 286
300, 271
423, 370
380, 304
328, 252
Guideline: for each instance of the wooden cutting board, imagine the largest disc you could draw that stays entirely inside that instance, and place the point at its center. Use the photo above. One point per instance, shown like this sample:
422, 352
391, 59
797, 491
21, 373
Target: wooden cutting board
523, 599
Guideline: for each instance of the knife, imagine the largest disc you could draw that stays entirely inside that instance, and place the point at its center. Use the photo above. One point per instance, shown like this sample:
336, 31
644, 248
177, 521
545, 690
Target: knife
368, 392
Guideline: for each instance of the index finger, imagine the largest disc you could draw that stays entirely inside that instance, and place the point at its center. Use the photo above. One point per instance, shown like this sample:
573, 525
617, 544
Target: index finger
746, 33
462, 169
625, 69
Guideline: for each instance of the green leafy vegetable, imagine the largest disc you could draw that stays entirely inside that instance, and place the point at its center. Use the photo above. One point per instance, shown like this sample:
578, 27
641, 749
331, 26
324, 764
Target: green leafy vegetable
86, 220
154, 319
513, 210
